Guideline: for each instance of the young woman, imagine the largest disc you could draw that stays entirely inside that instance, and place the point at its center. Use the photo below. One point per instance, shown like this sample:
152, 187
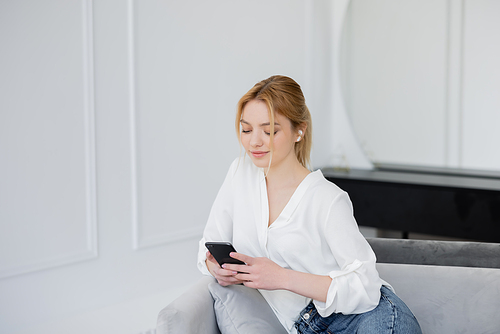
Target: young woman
294, 229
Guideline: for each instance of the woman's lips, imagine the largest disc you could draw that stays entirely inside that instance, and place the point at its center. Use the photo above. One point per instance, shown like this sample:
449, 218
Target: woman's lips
258, 154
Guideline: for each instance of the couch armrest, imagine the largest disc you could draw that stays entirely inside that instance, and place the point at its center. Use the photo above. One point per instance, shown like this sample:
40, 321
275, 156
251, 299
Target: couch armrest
191, 313
436, 253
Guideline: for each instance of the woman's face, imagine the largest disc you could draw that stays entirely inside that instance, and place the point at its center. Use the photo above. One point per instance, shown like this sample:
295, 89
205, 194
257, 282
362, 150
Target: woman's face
255, 136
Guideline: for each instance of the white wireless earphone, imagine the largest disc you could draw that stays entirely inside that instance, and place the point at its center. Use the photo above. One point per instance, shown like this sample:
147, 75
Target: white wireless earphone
300, 135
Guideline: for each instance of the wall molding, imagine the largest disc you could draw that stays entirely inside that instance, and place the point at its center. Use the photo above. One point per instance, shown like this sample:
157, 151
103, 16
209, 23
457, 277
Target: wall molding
143, 242
91, 250
132, 124
89, 89
140, 241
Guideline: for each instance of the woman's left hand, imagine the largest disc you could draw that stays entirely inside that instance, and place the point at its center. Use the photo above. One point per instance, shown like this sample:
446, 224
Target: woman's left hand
259, 272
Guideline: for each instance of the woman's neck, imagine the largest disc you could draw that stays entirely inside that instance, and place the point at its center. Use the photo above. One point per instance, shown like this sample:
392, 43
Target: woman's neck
292, 172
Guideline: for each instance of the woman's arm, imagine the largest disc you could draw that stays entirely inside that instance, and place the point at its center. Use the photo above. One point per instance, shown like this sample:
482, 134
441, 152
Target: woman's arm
263, 273
308, 285
355, 284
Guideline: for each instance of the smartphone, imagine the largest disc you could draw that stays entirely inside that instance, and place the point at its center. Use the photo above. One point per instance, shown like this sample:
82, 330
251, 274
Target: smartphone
220, 251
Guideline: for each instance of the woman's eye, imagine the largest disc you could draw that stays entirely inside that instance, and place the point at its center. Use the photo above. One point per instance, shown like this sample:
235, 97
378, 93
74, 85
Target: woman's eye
269, 133
245, 131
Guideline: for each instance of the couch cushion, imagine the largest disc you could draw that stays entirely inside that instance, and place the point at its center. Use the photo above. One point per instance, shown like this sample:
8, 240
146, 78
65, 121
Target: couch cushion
448, 299
243, 310
191, 313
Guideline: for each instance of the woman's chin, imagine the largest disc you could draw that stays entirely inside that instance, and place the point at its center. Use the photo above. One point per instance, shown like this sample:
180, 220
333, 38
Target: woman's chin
260, 162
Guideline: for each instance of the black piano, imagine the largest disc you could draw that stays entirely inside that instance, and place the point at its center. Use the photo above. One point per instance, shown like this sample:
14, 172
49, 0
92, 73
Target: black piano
447, 202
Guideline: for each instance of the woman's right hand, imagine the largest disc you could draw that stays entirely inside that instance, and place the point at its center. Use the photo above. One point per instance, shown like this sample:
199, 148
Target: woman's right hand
223, 276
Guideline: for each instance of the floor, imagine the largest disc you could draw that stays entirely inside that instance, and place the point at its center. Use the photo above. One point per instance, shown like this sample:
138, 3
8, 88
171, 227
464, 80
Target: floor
136, 316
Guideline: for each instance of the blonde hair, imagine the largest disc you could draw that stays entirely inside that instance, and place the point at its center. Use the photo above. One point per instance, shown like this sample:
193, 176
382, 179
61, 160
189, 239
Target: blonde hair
282, 95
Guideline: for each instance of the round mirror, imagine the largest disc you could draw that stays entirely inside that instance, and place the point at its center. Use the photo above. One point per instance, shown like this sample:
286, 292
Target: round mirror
395, 80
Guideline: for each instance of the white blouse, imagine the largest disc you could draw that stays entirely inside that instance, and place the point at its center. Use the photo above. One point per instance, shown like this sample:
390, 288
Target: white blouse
315, 233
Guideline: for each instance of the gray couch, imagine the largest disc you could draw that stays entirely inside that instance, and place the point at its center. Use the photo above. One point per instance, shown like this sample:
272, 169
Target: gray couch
451, 287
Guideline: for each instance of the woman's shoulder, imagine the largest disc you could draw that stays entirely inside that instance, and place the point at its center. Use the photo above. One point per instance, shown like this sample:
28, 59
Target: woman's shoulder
324, 188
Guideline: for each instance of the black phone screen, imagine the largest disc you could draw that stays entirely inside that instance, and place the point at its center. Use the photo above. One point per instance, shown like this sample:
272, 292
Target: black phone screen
220, 251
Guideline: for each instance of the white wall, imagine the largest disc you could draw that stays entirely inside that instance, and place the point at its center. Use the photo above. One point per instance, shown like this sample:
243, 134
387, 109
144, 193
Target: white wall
116, 131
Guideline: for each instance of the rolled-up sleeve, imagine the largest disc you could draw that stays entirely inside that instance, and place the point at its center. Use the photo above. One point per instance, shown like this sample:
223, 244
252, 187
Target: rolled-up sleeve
355, 288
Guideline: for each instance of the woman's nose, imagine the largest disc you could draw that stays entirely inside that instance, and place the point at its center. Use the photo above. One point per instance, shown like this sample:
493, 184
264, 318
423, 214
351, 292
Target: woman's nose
256, 139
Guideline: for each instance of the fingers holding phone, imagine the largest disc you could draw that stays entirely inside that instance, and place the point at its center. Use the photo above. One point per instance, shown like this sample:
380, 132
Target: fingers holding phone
224, 277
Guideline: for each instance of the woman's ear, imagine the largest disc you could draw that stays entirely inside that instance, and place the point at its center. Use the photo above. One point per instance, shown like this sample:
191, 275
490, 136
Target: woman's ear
301, 131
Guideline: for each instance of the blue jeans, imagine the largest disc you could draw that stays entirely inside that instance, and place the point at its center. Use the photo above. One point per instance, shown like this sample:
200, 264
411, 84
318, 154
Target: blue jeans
390, 316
